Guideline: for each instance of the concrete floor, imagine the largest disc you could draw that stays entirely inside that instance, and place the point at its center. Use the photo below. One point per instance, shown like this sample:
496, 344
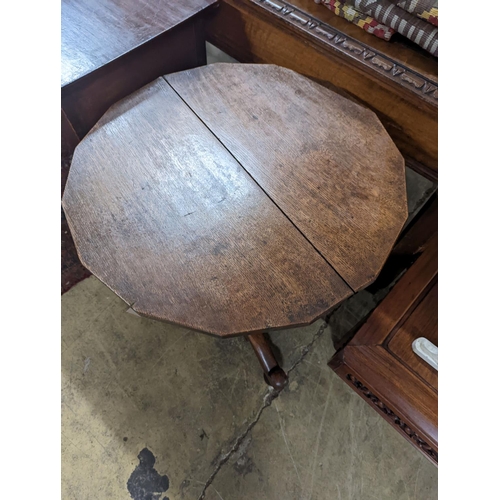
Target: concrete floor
201, 408
153, 411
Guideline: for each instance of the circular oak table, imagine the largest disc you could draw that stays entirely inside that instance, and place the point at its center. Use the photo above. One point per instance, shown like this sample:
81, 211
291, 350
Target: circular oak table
235, 199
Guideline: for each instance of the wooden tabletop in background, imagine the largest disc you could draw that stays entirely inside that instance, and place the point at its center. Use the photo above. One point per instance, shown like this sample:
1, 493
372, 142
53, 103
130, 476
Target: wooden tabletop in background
95, 32
236, 198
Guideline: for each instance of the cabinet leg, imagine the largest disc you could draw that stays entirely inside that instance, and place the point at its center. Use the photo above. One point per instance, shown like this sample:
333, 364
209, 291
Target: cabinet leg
273, 373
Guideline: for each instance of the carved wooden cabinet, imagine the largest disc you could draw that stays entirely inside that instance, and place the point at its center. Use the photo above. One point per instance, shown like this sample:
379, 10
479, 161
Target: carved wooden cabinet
380, 365
396, 79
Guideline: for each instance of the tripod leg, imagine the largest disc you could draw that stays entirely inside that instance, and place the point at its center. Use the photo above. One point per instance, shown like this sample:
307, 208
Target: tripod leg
273, 373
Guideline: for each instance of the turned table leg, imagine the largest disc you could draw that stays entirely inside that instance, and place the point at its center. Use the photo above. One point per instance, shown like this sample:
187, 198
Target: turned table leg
273, 373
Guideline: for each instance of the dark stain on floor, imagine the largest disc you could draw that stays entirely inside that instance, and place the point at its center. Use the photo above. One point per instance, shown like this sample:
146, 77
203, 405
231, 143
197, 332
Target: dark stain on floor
145, 483
243, 464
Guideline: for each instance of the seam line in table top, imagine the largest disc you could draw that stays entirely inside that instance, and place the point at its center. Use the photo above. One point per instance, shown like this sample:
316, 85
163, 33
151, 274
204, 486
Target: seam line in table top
256, 183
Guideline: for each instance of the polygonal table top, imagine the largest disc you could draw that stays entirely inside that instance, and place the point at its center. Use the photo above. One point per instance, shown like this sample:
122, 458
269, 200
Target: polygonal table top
236, 198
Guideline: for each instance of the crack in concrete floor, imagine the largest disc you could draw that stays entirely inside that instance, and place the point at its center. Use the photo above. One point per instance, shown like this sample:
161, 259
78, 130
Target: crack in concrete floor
117, 396
268, 399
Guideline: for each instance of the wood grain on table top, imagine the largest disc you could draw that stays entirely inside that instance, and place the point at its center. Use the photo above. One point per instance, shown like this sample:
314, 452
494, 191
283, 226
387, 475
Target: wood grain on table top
235, 199
325, 161
165, 216
95, 32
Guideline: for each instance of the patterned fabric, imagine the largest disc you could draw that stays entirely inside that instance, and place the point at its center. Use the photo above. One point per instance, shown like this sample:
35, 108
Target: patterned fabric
383, 17
425, 9
416, 30
356, 17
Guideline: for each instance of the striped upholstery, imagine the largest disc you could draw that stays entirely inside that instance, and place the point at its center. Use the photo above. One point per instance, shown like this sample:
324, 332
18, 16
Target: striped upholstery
386, 12
356, 17
425, 9
382, 18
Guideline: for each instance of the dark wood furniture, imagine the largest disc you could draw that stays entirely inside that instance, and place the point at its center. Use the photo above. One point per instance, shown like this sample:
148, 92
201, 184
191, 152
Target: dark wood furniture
397, 80
410, 245
238, 207
110, 48
379, 363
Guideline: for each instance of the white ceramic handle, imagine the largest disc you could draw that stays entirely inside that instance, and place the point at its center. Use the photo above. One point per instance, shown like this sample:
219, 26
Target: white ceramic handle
426, 350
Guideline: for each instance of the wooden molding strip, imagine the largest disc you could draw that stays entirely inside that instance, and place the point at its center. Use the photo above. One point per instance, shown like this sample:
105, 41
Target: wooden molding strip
394, 419
399, 74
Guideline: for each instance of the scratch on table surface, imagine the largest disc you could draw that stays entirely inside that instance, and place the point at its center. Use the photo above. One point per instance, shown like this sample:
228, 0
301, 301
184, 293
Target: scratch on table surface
286, 442
157, 10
